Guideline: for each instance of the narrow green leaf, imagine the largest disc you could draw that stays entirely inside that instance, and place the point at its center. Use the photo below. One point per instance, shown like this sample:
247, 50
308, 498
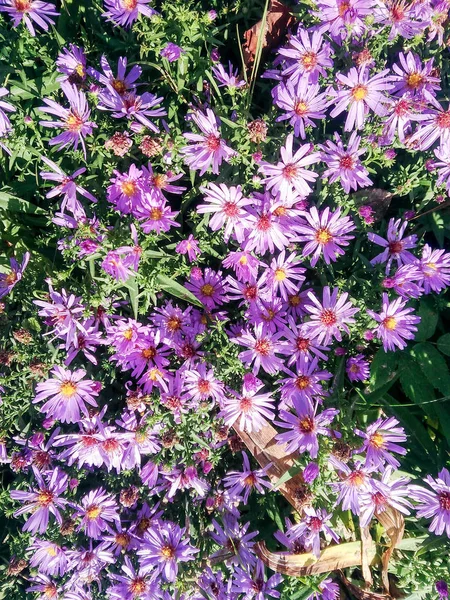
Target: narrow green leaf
132, 286
174, 288
289, 474
17, 205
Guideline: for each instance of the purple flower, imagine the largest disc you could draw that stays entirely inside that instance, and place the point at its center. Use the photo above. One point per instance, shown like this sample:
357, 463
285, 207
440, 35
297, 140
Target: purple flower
247, 480
48, 558
68, 394
395, 323
341, 17
434, 504
157, 216
363, 94
304, 383
282, 273
210, 288
228, 207
399, 16
308, 57
8, 281
262, 349
289, 174
237, 544
434, 124
324, 234
304, 426
413, 78
298, 343
244, 265
396, 246
384, 494
132, 106
163, 549
435, 269
133, 585
97, 509
250, 409
357, 368
255, 585
353, 482
72, 64
314, 522
74, 120
43, 501
329, 590
189, 247
310, 472
329, 317
267, 231
301, 103
208, 150
406, 281
228, 79
380, 439
443, 165
125, 12
201, 384
442, 588
344, 163
120, 83
5, 124
171, 52
30, 10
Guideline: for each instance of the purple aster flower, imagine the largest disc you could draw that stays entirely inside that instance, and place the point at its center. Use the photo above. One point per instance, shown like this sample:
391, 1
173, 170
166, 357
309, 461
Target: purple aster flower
282, 273
396, 246
163, 549
132, 106
74, 120
413, 78
434, 125
313, 523
30, 11
404, 281
395, 323
310, 472
358, 368
362, 94
305, 382
353, 482
324, 234
228, 207
237, 544
48, 558
301, 103
308, 57
202, 384
133, 585
290, 174
443, 166
400, 113
122, 82
244, 264
228, 79
435, 269
247, 480
329, 317
344, 17
67, 393
171, 52
43, 501
271, 312
329, 590
399, 16
96, 510
381, 438
157, 216
72, 64
442, 588
266, 230
210, 288
434, 504
262, 349
255, 584
45, 586
384, 494
5, 124
250, 409
344, 164
209, 149
8, 281
304, 426
298, 343
189, 247
125, 12
114, 264
185, 479
87, 564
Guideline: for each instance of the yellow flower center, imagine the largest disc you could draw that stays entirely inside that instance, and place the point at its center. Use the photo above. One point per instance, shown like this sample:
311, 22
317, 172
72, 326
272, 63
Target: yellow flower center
156, 214
207, 289
168, 552
67, 389
323, 236
280, 275
359, 92
128, 188
128, 334
377, 440
414, 80
390, 323
74, 122
93, 512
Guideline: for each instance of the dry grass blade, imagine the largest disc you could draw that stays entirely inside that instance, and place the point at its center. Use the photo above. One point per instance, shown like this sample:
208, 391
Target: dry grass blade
394, 524
366, 545
359, 593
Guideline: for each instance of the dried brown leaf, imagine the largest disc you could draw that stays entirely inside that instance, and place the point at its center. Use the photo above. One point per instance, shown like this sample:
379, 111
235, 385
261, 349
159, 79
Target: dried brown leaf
394, 524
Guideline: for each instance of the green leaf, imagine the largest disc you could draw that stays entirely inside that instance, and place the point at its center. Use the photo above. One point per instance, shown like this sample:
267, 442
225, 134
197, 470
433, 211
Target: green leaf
429, 318
443, 344
289, 474
17, 205
383, 369
173, 288
132, 286
414, 383
433, 365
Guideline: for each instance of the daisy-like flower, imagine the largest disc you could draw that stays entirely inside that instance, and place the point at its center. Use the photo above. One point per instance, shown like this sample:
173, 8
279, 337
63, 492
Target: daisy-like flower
443, 166
97, 509
46, 588
125, 12
67, 393
396, 324
48, 558
362, 94
249, 409
209, 149
157, 216
246, 480
299, 343
120, 83
282, 273
384, 494
237, 544
357, 368
5, 123
328, 590
228, 79
414, 78
313, 523
9, 280
301, 103
43, 501
244, 264
131, 106
290, 173
344, 18
344, 164
305, 382
395, 246
133, 584
329, 317
353, 482
434, 504
72, 64
190, 247
400, 113
262, 348
304, 426
127, 190
399, 16
30, 11
324, 234
163, 549
266, 230
74, 120
209, 287
406, 281
255, 584
202, 384
308, 57
228, 207
434, 125
434, 266
171, 52
381, 438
